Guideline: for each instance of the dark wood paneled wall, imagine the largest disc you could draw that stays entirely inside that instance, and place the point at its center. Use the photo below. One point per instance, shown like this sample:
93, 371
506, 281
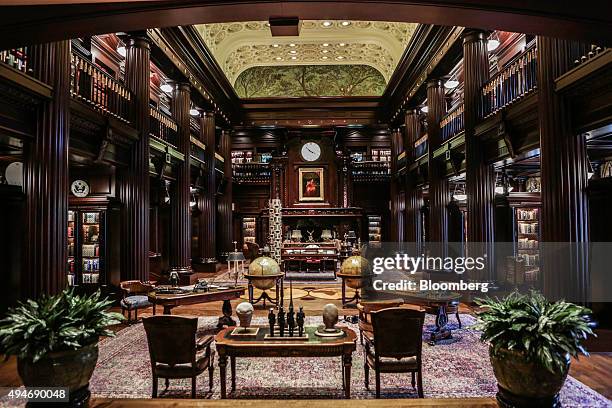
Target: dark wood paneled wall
46, 178
480, 176
397, 206
180, 242
134, 190
564, 177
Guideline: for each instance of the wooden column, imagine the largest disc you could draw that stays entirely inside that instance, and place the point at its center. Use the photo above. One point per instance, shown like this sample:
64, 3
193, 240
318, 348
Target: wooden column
180, 240
480, 176
207, 202
134, 181
46, 178
397, 216
414, 198
439, 193
225, 202
564, 179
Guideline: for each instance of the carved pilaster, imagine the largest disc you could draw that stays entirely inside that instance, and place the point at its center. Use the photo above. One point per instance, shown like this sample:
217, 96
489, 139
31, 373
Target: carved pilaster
564, 178
207, 202
414, 199
225, 201
180, 242
46, 177
134, 180
439, 192
397, 216
480, 176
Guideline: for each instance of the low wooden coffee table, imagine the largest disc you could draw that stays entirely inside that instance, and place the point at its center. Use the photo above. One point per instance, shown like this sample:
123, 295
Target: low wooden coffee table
170, 301
315, 346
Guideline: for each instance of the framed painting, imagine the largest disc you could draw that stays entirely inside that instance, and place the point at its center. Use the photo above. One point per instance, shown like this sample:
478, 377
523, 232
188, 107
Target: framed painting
311, 184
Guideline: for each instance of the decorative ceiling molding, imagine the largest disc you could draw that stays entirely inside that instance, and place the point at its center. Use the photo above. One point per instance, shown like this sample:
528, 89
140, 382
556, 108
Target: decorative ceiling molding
241, 45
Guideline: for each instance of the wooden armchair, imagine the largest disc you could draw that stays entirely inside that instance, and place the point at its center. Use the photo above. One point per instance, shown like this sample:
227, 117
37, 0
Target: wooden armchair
366, 308
134, 297
176, 352
396, 346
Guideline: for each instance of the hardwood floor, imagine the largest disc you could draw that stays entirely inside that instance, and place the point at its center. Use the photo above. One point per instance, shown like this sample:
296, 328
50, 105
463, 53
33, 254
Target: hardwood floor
593, 371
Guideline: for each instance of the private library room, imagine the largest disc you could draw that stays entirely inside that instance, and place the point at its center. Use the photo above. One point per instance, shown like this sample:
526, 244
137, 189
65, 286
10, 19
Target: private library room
273, 202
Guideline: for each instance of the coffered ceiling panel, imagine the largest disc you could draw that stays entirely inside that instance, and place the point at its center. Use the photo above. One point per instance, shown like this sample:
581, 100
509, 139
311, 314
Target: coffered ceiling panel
241, 45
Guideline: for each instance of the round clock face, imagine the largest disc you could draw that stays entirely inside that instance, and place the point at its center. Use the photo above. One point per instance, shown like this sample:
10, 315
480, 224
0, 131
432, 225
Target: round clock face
79, 188
311, 151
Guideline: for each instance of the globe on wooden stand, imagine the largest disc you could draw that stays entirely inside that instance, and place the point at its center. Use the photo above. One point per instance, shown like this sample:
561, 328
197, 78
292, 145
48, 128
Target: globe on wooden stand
353, 273
264, 273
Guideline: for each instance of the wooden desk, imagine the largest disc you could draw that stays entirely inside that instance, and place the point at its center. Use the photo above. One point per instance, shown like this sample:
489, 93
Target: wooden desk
439, 306
170, 301
315, 346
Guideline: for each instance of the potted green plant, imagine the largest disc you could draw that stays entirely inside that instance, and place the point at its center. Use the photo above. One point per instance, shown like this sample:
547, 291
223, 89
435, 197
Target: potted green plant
55, 339
530, 344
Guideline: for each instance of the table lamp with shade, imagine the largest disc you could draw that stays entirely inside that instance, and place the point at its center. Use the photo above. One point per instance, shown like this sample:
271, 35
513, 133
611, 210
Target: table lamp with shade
296, 235
235, 263
326, 235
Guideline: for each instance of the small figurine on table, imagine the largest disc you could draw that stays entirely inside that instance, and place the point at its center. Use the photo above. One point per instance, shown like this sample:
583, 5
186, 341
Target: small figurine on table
281, 321
300, 321
271, 321
290, 320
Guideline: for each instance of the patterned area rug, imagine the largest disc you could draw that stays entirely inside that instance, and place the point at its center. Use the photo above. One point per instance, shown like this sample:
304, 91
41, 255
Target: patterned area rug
456, 368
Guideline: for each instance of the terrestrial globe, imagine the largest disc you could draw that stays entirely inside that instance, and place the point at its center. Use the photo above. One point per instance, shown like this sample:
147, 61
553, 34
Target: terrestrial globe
263, 272
356, 266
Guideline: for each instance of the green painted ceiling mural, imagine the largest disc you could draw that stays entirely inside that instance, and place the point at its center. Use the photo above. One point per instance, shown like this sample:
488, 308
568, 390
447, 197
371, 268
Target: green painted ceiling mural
310, 80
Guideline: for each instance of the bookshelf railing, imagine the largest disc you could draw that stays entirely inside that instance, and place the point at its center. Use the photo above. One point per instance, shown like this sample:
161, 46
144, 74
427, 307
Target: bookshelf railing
17, 58
452, 123
516, 80
163, 126
252, 173
96, 88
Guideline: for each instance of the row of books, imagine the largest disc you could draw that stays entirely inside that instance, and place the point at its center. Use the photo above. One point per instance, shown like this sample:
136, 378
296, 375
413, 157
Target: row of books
16, 58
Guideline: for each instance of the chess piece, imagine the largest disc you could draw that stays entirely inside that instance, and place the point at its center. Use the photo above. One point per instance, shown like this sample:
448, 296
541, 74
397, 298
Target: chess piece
300, 321
281, 321
290, 320
271, 321
330, 317
244, 311
174, 278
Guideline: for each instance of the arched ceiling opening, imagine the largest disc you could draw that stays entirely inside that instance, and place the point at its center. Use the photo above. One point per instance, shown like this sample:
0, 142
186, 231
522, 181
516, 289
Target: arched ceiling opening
238, 46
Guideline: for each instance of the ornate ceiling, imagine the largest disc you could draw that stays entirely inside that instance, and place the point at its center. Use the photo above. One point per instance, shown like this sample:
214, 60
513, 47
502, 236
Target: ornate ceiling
242, 45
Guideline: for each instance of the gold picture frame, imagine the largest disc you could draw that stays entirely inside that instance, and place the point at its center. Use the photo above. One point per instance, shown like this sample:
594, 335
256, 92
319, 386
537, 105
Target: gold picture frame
311, 184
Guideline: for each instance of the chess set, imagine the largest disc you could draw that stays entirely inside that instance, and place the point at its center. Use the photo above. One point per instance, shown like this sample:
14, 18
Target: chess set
283, 326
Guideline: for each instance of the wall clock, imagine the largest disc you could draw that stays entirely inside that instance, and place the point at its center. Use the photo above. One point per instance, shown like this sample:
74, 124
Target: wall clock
79, 188
311, 151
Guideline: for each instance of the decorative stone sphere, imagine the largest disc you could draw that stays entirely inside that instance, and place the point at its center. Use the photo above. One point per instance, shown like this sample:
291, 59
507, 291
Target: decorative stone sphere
263, 266
354, 265
244, 311
330, 316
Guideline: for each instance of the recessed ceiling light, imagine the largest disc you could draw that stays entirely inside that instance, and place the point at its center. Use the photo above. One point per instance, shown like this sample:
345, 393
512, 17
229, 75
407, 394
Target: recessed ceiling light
339, 57
293, 58
166, 88
327, 23
451, 84
324, 57
325, 51
279, 58
342, 44
292, 45
275, 45
325, 44
492, 44
346, 23
293, 52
